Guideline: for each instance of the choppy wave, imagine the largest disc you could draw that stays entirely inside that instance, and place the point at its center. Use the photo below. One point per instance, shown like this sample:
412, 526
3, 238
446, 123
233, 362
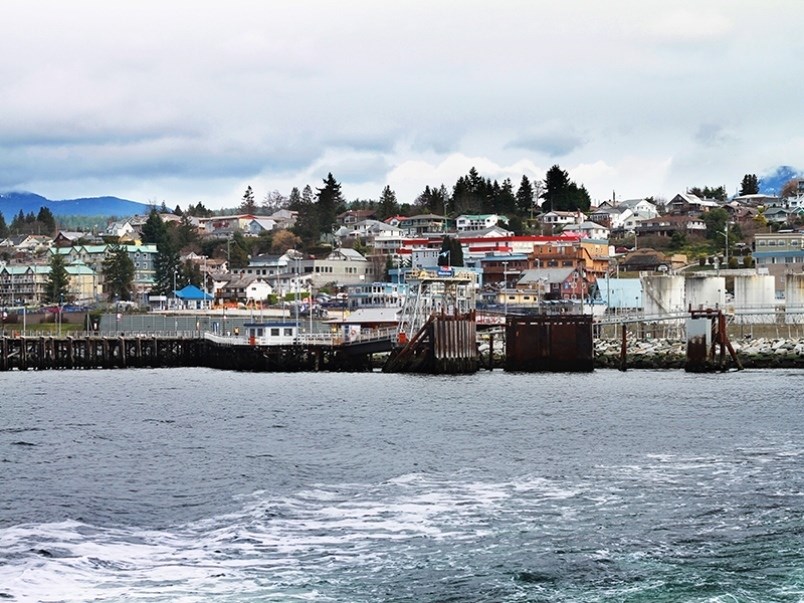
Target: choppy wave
506, 488
624, 534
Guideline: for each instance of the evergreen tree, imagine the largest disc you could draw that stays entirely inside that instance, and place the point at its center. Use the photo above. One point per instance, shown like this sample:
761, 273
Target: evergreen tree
307, 194
47, 220
749, 185
154, 230
185, 233
424, 202
3, 226
166, 266
198, 211
556, 186
58, 280
118, 273
506, 202
238, 252
451, 253
18, 223
306, 226
524, 197
472, 194
707, 192
329, 203
166, 261
248, 205
561, 194
178, 211
295, 197
387, 206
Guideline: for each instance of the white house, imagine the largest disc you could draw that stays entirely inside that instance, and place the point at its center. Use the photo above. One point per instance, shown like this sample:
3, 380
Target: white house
468, 222
342, 266
614, 217
558, 219
642, 209
589, 230
244, 288
120, 229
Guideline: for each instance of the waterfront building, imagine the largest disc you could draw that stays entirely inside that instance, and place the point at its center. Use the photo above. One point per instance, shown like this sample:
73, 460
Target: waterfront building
779, 254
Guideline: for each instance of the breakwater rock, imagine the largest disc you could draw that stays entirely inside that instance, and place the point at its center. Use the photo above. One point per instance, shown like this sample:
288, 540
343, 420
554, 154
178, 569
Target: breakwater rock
668, 353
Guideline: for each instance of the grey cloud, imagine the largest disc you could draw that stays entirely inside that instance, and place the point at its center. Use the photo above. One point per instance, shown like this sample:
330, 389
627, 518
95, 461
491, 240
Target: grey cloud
553, 142
713, 135
359, 168
187, 159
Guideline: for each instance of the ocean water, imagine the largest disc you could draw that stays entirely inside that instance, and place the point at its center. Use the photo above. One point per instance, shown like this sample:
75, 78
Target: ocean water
193, 485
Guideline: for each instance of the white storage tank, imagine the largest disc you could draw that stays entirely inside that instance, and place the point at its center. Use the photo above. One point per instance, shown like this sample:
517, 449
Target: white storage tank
703, 292
754, 299
794, 299
662, 295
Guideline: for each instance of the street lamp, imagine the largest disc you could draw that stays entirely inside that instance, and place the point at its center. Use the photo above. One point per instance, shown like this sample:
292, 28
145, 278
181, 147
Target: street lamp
505, 287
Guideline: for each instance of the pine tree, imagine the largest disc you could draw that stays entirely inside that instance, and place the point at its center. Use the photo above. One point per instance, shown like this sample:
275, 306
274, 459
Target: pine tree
18, 222
295, 197
118, 273
57, 281
47, 220
166, 266
328, 204
166, 261
306, 226
506, 203
524, 197
3, 226
451, 253
387, 206
749, 185
248, 205
561, 194
154, 230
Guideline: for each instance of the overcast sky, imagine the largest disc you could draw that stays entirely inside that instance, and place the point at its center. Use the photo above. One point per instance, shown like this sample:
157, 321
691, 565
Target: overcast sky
193, 101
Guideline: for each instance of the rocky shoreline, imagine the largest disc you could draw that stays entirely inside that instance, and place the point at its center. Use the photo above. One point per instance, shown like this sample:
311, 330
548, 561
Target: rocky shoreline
671, 354
759, 353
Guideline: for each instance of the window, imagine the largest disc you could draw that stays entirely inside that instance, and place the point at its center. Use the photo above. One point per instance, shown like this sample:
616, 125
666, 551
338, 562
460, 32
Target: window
288, 332
260, 332
274, 331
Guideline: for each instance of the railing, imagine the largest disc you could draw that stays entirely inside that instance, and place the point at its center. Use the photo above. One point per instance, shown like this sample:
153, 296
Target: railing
325, 339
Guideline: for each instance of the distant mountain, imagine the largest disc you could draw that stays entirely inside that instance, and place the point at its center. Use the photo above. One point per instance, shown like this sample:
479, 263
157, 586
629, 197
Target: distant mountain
772, 184
11, 204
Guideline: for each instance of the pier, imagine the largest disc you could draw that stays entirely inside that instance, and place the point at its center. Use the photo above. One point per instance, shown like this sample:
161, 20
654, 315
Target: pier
302, 353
